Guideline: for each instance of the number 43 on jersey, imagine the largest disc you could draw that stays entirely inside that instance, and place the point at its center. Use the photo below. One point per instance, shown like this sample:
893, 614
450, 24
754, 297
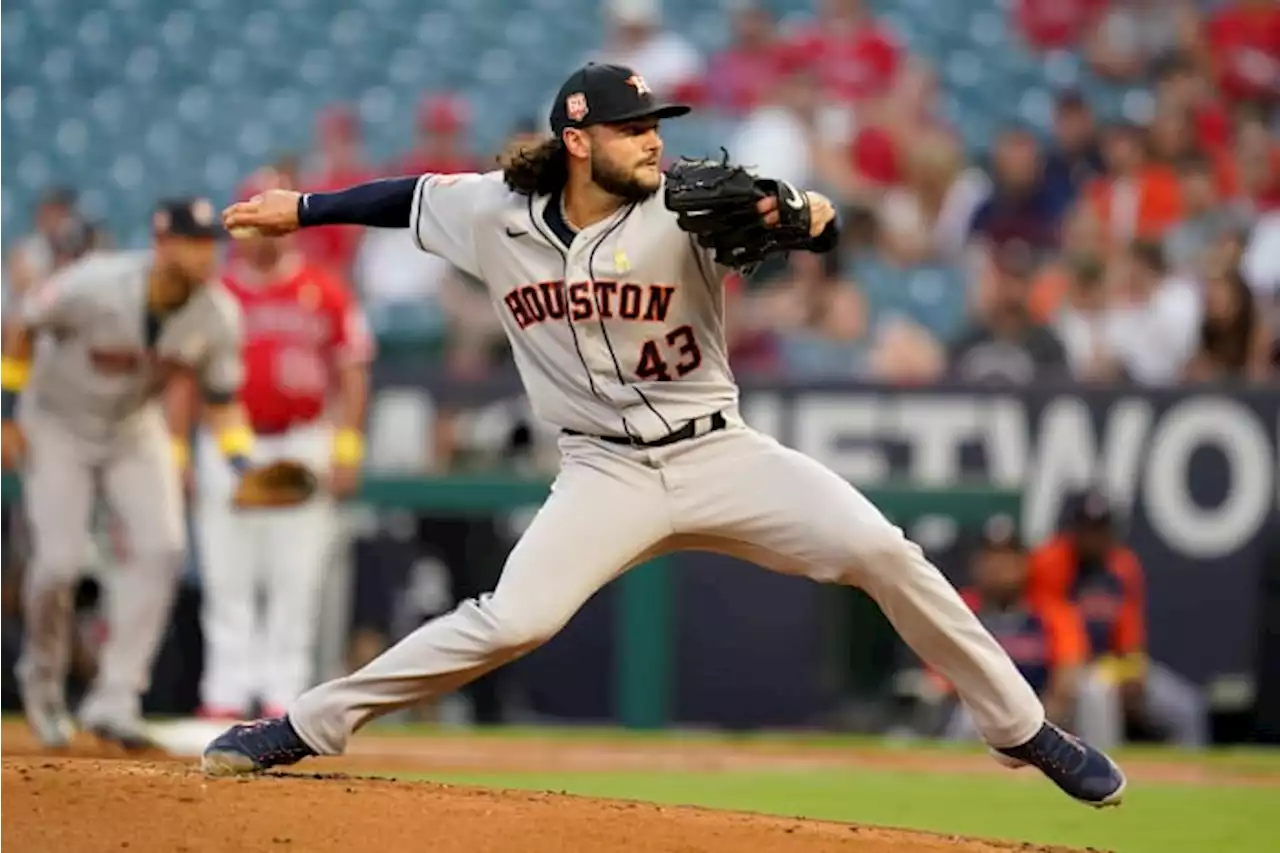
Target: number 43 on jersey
671, 356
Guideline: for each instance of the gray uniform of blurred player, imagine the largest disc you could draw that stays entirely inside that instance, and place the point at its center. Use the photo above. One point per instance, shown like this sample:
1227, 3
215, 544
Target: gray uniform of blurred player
93, 425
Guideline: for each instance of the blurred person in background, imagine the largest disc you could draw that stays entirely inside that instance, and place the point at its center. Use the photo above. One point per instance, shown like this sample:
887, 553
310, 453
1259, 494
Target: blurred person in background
853, 56
821, 321
1182, 87
1251, 170
1242, 46
781, 136
1171, 137
1260, 260
742, 76
441, 146
1083, 242
1045, 639
884, 127
1022, 207
1136, 198
928, 217
1156, 316
1207, 218
635, 38
32, 259
306, 355
1057, 24
1132, 34
1234, 341
1086, 565
339, 161
1084, 325
1074, 157
1005, 344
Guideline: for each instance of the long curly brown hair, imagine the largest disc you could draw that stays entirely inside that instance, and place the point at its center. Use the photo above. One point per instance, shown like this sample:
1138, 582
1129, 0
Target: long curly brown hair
535, 167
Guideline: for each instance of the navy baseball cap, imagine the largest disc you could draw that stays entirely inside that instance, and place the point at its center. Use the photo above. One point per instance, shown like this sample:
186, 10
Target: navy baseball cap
186, 217
606, 94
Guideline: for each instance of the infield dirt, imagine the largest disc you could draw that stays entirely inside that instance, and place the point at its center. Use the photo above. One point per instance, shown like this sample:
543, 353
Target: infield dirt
88, 799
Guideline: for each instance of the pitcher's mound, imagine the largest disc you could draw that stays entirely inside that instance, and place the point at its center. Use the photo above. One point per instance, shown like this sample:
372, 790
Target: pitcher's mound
85, 805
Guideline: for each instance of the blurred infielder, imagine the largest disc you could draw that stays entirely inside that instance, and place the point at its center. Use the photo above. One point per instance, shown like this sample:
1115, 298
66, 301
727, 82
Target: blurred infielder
614, 310
305, 342
100, 339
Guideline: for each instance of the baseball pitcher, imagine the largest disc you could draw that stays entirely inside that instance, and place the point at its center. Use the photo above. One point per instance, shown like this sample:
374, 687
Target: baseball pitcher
98, 341
607, 278
305, 345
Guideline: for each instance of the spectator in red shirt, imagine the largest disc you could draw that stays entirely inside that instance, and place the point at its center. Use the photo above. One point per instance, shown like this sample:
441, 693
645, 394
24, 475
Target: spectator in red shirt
306, 354
1051, 24
853, 56
742, 76
1244, 49
339, 163
441, 146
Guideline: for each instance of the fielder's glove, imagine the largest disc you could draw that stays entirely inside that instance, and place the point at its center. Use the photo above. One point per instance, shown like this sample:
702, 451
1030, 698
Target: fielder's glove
277, 484
716, 201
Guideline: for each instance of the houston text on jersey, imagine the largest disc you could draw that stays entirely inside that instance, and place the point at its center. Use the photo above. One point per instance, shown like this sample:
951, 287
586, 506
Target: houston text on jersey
531, 304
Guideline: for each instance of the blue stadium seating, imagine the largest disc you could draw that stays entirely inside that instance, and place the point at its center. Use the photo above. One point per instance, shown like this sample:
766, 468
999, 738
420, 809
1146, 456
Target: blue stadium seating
129, 99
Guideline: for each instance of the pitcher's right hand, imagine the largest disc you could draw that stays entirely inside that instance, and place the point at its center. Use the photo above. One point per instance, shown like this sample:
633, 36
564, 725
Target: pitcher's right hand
272, 213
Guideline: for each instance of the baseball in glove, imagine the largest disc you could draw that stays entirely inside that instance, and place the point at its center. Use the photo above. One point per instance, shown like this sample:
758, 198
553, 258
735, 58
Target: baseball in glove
716, 202
277, 484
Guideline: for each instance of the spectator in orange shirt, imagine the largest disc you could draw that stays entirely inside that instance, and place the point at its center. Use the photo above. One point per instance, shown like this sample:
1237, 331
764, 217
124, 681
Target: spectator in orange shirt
1086, 566
1137, 198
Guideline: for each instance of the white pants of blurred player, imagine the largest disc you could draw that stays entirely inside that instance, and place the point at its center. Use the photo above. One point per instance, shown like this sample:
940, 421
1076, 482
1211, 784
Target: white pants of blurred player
262, 576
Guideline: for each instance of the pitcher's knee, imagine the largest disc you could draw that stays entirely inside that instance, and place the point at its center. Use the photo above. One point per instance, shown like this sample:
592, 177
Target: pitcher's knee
886, 553
521, 630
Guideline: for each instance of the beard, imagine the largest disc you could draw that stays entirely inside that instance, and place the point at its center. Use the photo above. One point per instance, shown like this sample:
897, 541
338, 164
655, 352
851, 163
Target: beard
619, 181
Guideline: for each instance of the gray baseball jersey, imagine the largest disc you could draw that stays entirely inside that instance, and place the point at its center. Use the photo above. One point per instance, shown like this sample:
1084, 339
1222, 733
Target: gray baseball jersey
99, 360
612, 334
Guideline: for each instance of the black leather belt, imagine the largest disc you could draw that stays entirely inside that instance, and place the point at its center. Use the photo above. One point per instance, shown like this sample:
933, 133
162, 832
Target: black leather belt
688, 431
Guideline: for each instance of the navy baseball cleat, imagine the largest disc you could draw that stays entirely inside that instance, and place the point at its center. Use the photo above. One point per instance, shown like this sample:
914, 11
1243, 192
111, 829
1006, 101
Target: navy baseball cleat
1077, 768
254, 747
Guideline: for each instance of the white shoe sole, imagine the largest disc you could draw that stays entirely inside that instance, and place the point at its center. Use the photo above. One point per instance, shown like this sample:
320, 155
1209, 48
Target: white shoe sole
1113, 800
225, 763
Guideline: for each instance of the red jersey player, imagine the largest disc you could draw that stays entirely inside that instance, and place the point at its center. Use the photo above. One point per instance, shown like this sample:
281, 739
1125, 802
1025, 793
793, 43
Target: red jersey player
306, 354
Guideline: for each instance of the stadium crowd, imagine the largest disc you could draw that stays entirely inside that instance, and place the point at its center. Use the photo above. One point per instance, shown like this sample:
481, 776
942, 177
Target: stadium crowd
1144, 251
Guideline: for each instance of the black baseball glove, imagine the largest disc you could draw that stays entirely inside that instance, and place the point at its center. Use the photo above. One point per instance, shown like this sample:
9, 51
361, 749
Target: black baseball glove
716, 201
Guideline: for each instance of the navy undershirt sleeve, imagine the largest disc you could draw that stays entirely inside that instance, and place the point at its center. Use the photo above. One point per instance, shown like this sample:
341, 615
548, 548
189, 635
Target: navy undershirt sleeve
828, 239
386, 203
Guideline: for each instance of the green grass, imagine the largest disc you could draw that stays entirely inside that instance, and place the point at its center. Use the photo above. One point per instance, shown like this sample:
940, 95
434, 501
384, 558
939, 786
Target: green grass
1255, 760
1154, 818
